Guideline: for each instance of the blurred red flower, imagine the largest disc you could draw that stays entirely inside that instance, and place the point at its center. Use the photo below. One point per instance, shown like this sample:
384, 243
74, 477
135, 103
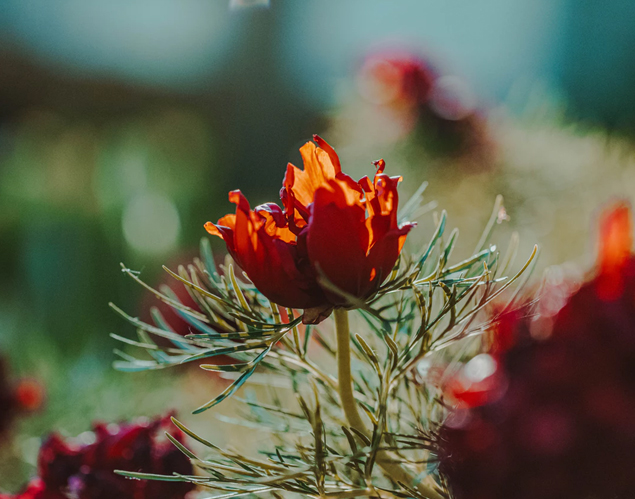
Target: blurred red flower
25, 396
35, 490
565, 425
333, 234
176, 321
616, 241
68, 469
397, 78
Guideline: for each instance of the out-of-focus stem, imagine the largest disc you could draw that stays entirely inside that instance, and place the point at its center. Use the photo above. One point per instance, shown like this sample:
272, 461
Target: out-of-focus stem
345, 388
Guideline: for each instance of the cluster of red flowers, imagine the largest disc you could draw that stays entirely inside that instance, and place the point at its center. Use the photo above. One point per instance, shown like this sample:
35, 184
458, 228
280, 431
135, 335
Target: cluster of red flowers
24, 396
68, 469
334, 239
559, 421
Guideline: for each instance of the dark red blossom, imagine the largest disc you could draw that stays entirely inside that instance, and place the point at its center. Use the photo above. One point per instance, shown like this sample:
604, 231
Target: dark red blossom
131, 447
58, 460
335, 239
565, 425
77, 470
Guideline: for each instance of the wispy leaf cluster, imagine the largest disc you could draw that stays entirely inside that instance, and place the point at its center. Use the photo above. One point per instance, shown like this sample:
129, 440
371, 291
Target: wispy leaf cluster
425, 308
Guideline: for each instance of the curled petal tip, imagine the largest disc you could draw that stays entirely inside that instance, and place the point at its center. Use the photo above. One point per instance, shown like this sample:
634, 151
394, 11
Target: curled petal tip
212, 229
380, 165
238, 198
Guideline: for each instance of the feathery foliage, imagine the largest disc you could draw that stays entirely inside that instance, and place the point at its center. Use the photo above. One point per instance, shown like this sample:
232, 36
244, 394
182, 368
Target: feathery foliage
426, 307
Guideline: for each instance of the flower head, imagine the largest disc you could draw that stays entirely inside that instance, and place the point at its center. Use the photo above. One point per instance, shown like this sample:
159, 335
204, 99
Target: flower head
334, 240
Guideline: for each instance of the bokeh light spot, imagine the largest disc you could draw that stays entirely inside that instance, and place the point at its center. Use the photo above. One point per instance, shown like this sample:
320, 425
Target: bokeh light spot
151, 223
479, 368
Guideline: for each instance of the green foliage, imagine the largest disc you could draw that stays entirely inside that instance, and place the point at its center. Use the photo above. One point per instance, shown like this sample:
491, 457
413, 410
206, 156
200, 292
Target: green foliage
425, 307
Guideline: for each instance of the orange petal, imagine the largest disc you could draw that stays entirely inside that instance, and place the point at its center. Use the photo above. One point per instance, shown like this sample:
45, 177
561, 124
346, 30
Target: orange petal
616, 237
245, 231
224, 229
318, 169
335, 159
382, 202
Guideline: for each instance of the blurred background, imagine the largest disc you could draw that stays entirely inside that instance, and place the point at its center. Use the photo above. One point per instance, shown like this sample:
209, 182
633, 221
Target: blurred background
124, 123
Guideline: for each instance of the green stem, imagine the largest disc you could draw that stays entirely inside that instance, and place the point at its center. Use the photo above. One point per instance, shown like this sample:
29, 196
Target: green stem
344, 379
345, 388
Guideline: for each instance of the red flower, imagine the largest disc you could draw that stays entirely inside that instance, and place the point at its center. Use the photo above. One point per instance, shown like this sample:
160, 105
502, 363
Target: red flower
87, 471
29, 394
16, 398
396, 78
332, 227
564, 428
351, 229
35, 490
132, 447
57, 461
616, 241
